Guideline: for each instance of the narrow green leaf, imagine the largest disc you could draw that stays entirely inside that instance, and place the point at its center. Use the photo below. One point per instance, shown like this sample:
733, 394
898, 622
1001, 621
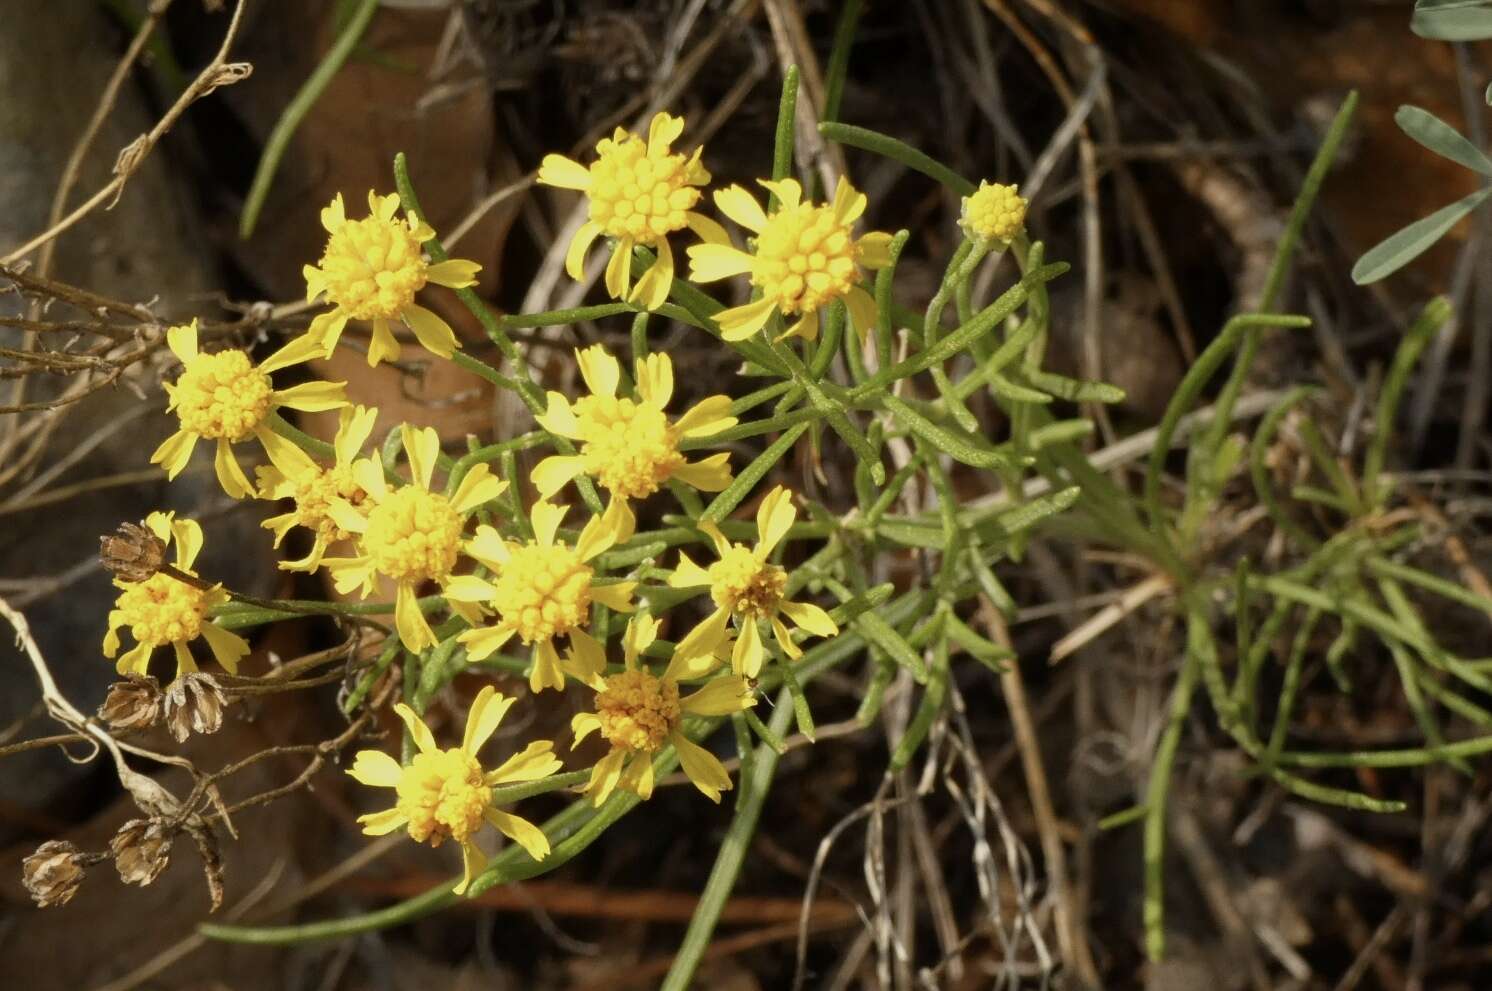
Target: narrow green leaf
1398, 250
884, 144
960, 448
880, 633
1441, 138
731, 497
1075, 390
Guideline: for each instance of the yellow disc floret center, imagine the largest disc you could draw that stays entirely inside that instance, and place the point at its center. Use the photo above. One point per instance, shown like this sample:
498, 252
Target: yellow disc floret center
639, 195
443, 795
162, 610
749, 587
315, 491
413, 535
994, 212
628, 447
222, 395
805, 258
373, 268
637, 710
544, 592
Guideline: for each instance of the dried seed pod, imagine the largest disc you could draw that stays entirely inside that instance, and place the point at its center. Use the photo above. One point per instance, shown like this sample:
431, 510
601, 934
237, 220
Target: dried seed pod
53, 873
141, 849
132, 704
133, 553
193, 704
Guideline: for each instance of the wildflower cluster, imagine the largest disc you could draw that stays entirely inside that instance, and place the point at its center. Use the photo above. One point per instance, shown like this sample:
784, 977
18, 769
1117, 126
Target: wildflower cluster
469, 572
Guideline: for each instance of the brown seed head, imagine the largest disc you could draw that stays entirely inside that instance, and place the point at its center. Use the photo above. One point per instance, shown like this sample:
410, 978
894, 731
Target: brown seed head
141, 849
133, 553
53, 873
132, 704
194, 704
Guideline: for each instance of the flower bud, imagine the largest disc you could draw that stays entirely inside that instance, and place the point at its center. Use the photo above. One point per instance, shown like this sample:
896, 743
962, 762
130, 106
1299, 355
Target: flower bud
193, 704
141, 849
133, 553
53, 873
132, 704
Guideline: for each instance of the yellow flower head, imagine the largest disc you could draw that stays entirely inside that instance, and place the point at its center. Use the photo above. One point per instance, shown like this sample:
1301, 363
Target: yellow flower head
543, 590
638, 191
315, 489
166, 610
227, 398
806, 257
993, 213
627, 445
371, 270
745, 585
409, 534
638, 712
447, 794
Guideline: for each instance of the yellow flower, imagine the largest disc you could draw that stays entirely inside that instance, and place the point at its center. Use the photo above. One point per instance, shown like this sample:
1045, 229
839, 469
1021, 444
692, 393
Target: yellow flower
409, 535
544, 589
806, 257
166, 610
744, 584
638, 712
315, 489
227, 398
638, 192
447, 794
993, 213
629, 446
371, 269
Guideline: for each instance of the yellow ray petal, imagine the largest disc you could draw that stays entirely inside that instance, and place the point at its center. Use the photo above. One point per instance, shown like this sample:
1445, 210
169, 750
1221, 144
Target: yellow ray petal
546, 517
712, 262
422, 448
746, 659
807, 616
536, 761
554, 473
599, 369
546, 671
704, 638
563, 173
580, 244
431, 330
702, 767
875, 250
862, 311
849, 202
174, 453
414, 629
559, 417
484, 641
418, 731
709, 475
708, 416
375, 769
453, 273
230, 472
473, 863
774, 517
654, 375
487, 711
740, 322
383, 346
653, 288
619, 269
313, 397
182, 341
477, 488
354, 426
616, 596
520, 831
228, 648
663, 131
382, 823
740, 206
708, 231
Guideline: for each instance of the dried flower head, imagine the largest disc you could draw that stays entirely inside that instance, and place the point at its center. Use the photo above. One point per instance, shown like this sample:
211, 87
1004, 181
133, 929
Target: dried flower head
53, 873
194, 704
141, 849
133, 553
132, 704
